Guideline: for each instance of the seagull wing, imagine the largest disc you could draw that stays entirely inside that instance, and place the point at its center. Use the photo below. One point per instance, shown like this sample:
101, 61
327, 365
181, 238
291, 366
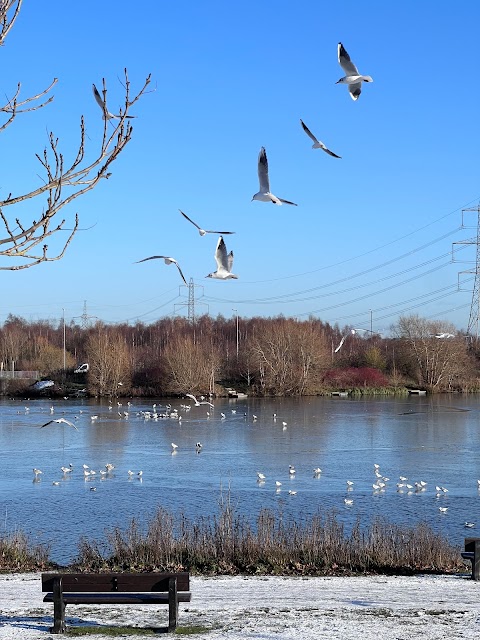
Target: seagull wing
330, 153
155, 257
307, 131
190, 395
221, 232
345, 62
288, 202
70, 424
355, 90
181, 272
263, 171
46, 424
190, 220
221, 255
230, 261
99, 99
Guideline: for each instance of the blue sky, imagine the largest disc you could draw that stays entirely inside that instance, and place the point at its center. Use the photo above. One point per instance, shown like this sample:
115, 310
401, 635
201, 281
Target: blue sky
372, 236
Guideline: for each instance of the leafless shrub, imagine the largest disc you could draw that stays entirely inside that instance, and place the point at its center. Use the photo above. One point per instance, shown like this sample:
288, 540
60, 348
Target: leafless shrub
227, 543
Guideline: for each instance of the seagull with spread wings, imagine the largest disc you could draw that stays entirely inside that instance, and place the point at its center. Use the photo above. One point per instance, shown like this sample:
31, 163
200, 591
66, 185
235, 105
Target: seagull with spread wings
199, 402
224, 262
168, 260
264, 194
352, 78
201, 231
317, 144
101, 103
59, 421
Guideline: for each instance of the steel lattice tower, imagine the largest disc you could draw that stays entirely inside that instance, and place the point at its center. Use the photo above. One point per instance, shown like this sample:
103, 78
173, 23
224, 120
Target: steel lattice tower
472, 328
474, 319
191, 301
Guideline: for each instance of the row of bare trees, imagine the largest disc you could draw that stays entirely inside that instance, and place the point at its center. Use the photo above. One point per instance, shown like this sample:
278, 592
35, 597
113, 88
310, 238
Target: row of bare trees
264, 356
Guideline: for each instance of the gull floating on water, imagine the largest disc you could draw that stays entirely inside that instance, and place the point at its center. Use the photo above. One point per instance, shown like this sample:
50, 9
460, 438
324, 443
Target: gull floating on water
264, 194
168, 260
224, 262
317, 144
201, 231
198, 403
101, 103
352, 78
58, 421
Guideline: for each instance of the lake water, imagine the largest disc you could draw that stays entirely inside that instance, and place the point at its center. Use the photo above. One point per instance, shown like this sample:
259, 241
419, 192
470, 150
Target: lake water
431, 439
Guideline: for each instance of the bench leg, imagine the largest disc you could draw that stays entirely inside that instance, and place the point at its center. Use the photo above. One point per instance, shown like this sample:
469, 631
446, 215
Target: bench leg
59, 625
476, 561
172, 604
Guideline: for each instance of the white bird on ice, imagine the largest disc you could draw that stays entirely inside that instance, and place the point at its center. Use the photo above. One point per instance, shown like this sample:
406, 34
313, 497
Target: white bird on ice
168, 260
260, 476
58, 421
101, 103
224, 262
317, 144
198, 403
352, 78
201, 231
264, 194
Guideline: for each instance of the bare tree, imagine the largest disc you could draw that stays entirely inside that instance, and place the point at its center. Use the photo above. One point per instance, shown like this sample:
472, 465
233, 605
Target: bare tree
437, 356
63, 180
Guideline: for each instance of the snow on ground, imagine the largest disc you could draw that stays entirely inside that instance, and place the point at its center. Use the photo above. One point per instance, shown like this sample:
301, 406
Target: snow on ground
238, 608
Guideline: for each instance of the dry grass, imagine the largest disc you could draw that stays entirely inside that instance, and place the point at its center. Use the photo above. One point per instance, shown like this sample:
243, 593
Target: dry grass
228, 544
18, 554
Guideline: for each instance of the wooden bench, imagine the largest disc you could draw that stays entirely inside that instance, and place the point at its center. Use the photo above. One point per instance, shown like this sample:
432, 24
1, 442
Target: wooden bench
472, 552
115, 588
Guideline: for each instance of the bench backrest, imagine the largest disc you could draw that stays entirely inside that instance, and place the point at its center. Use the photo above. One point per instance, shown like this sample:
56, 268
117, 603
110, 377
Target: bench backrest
126, 582
470, 544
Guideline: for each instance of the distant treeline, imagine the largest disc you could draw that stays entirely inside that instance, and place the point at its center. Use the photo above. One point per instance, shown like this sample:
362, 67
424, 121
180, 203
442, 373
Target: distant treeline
259, 356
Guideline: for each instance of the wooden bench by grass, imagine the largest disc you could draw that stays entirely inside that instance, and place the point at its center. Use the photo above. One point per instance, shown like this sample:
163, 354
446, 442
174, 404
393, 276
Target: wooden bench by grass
115, 588
472, 552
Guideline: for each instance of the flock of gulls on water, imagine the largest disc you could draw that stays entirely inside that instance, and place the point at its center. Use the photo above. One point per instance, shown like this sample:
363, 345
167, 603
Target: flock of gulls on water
379, 481
224, 260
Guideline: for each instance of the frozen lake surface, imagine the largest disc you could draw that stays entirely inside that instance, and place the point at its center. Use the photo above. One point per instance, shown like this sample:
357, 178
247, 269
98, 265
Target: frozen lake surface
433, 440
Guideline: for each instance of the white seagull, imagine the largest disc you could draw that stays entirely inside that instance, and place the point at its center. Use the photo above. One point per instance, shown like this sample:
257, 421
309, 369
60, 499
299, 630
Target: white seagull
59, 420
224, 262
201, 231
198, 403
352, 77
264, 194
168, 260
317, 144
101, 103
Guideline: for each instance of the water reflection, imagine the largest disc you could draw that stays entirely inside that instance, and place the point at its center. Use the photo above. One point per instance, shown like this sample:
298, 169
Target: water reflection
423, 439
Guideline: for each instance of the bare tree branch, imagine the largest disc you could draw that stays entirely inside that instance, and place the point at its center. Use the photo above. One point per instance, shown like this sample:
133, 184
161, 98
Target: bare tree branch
63, 180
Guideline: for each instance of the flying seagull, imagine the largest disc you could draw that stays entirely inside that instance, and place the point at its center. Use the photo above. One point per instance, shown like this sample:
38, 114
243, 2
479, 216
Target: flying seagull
264, 194
106, 114
197, 402
59, 421
352, 78
201, 231
317, 144
224, 262
167, 261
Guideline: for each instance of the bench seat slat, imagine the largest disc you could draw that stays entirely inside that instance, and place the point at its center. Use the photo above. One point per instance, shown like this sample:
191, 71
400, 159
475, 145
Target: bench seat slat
118, 597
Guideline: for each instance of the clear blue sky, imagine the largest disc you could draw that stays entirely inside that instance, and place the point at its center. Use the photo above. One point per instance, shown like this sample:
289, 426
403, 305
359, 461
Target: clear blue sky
372, 234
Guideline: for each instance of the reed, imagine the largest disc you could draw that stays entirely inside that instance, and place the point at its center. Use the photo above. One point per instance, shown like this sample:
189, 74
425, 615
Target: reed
17, 553
227, 543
